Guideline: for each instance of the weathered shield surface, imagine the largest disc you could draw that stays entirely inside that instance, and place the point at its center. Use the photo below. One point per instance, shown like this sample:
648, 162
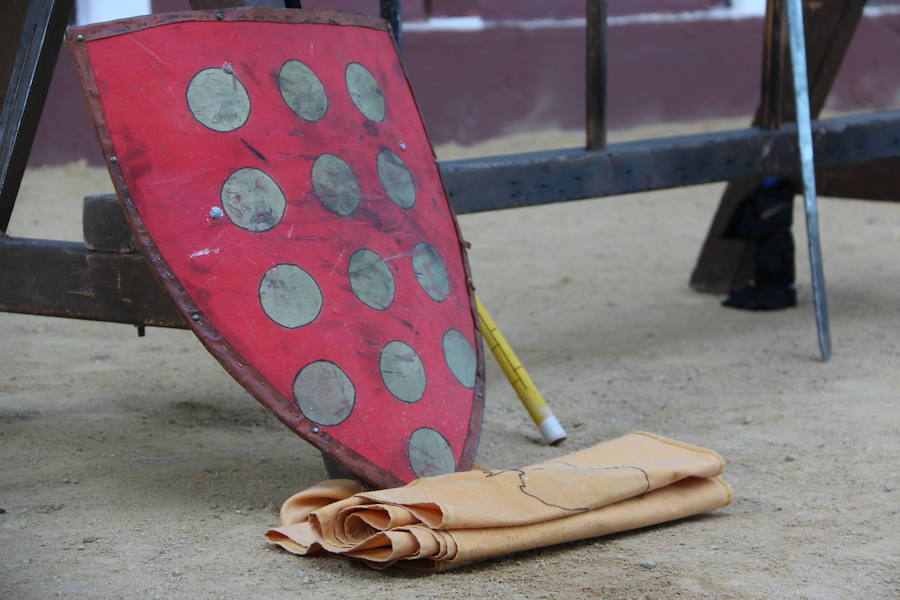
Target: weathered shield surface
275, 169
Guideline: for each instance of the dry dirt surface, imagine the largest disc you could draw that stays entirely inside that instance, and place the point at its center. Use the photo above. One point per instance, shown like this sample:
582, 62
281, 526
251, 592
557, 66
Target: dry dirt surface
136, 468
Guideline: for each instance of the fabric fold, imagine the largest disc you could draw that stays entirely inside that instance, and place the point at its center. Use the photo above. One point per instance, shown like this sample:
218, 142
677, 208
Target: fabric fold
441, 522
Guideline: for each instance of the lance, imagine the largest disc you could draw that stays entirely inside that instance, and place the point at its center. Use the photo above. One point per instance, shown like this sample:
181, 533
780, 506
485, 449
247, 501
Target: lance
804, 137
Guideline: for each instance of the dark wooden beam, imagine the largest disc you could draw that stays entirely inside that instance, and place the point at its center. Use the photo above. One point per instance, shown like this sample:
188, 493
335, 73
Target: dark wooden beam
392, 12
11, 26
727, 264
104, 226
65, 279
877, 180
558, 175
775, 67
39, 31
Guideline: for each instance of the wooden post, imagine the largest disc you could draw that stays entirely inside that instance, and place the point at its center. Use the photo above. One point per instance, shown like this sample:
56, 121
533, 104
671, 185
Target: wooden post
392, 12
39, 28
595, 83
775, 69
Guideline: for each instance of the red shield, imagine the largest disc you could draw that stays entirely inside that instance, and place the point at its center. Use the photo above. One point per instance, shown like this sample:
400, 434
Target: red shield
276, 172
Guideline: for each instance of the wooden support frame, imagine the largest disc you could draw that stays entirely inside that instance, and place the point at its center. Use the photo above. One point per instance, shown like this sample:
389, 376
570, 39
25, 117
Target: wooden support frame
392, 12
40, 37
559, 175
876, 180
595, 84
775, 68
724, 265
81, 283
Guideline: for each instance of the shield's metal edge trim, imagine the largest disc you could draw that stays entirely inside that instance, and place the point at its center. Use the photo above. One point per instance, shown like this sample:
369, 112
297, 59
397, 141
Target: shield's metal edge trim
231, 360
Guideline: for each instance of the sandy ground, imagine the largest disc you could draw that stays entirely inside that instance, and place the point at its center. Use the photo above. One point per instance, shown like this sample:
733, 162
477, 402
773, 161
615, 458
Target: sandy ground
136, 468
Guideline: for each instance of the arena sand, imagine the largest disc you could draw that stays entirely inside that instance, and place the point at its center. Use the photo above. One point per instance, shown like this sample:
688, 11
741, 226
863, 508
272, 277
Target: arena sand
136, 468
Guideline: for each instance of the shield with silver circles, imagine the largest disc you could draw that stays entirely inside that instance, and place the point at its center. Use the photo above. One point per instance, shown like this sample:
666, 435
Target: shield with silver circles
276, 173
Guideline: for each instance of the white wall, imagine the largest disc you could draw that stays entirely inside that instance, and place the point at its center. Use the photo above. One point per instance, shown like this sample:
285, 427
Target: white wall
93, 11
750, 8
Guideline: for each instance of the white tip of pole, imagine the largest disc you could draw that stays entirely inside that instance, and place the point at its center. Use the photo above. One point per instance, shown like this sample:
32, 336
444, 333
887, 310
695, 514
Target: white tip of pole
552, 431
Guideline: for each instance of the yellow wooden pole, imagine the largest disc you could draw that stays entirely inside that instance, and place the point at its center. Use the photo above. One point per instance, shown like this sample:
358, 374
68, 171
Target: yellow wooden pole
552, 432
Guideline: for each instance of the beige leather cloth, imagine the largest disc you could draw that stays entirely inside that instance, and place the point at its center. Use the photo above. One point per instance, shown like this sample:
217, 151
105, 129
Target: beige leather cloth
437, 523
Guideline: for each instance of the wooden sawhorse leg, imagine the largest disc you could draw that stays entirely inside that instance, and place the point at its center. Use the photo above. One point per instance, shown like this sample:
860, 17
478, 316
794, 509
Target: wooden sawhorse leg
724, 265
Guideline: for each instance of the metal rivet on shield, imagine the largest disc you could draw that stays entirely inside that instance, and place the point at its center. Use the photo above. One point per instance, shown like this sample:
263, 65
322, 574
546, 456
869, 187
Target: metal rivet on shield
219, 16
113, 159
228, 67
195, 317
216, 212
79, 37
316, 430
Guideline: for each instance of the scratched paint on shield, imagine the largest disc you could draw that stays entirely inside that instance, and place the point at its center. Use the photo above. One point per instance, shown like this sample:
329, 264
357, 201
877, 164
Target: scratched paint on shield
294, 194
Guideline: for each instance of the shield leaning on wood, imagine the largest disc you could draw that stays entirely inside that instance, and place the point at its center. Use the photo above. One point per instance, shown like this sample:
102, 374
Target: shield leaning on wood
276, 172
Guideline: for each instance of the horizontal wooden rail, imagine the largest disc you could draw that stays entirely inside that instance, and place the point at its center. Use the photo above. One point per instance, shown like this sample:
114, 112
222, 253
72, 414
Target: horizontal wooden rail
558, 175
67, 279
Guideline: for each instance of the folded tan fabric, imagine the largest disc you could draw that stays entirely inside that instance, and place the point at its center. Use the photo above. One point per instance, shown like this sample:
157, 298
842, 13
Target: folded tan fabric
437, 523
